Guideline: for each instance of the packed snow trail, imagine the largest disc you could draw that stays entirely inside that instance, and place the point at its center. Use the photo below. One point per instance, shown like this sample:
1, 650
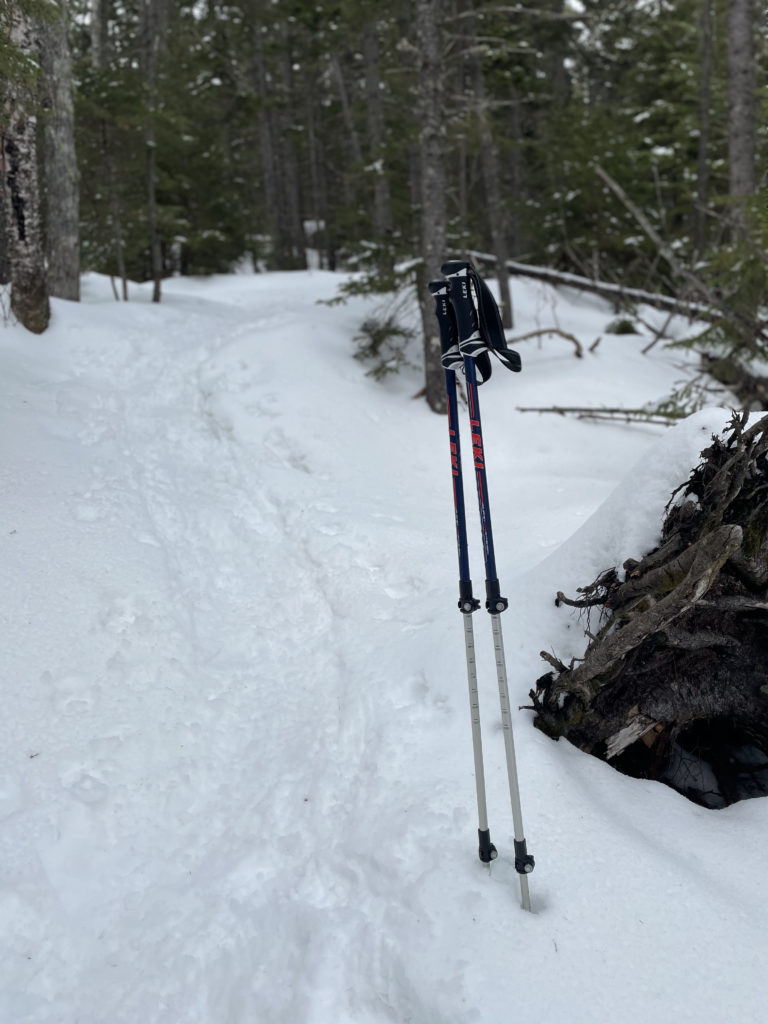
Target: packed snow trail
236, 779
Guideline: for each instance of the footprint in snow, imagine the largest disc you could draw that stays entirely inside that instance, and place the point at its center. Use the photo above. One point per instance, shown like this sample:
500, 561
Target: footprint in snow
87, 790
69, 690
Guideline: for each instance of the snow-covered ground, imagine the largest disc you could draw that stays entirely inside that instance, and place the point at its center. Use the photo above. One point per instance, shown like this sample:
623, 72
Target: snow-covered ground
235, 760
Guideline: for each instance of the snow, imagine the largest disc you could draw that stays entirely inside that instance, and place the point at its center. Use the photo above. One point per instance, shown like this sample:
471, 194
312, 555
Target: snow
236, 769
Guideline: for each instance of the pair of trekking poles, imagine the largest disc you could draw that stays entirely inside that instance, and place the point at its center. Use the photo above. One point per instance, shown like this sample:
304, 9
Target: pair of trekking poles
470, 330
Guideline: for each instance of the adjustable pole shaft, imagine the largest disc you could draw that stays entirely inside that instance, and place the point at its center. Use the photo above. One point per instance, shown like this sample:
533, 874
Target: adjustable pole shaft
495, 604
468, 604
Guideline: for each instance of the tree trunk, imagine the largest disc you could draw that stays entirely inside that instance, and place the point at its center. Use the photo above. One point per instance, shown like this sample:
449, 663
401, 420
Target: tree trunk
489, 161
100, 55
290, 199
154, 31
99, 32
5, 265
355, 149
741, 98
61, 176
705, 103
432, 188
679, 659
382, 212
265, 129
21, 194
279, 160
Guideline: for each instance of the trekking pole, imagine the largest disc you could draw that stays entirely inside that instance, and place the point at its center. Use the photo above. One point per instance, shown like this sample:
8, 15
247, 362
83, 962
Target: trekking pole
468, 603
460, 279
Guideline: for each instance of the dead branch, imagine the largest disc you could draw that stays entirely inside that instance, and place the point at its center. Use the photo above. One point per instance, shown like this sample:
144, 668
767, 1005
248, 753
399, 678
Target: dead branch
551, 330
615, 293
698, 286
665, 419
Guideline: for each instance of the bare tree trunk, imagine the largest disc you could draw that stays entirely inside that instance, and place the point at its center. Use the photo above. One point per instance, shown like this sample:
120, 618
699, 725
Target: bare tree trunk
489, 161
265, 134
61, 175
21, 194
155, 29
741, 102
5, 265
355, 149
432, 177
99, 33
100, 11
279, 161
382, 211
705, 102
290, 204
515, 172
317, 189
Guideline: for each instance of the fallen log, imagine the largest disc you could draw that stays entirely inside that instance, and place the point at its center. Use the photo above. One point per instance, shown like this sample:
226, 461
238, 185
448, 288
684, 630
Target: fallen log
615, 293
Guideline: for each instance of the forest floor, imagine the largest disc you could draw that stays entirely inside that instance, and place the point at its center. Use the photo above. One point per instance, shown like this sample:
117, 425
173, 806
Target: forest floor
235, 760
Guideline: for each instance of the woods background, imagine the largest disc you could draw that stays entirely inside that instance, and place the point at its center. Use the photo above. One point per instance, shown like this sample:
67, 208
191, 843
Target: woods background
620, 140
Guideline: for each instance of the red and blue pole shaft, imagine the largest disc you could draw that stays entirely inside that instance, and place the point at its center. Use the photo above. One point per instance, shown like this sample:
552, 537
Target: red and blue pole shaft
460, 294
468, 603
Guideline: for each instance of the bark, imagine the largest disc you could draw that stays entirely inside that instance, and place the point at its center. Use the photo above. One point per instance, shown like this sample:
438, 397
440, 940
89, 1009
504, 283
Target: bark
355, 148
5, 264
290, 205
100, 56
99, 32
489, 161
705, 104
382, 207
21, 193
741, 99
61, 176
681, 649
154, 32
515, 174
432, 187
279, 160
265, 131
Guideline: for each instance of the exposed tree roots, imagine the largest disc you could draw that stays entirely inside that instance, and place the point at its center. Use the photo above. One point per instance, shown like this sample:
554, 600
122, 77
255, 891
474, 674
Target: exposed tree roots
674, 682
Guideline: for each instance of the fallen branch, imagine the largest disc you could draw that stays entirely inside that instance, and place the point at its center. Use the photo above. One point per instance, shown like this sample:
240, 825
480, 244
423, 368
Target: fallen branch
551, 330
666, 419
697, 285
615, 293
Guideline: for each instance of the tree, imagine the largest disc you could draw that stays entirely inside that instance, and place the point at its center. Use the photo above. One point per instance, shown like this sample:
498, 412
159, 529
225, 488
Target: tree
432, 186
21, 193
153, 33
741, 97
62, 233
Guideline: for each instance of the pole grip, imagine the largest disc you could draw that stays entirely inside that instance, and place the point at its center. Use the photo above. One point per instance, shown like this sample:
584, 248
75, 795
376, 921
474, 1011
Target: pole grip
463, 303
444, 314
